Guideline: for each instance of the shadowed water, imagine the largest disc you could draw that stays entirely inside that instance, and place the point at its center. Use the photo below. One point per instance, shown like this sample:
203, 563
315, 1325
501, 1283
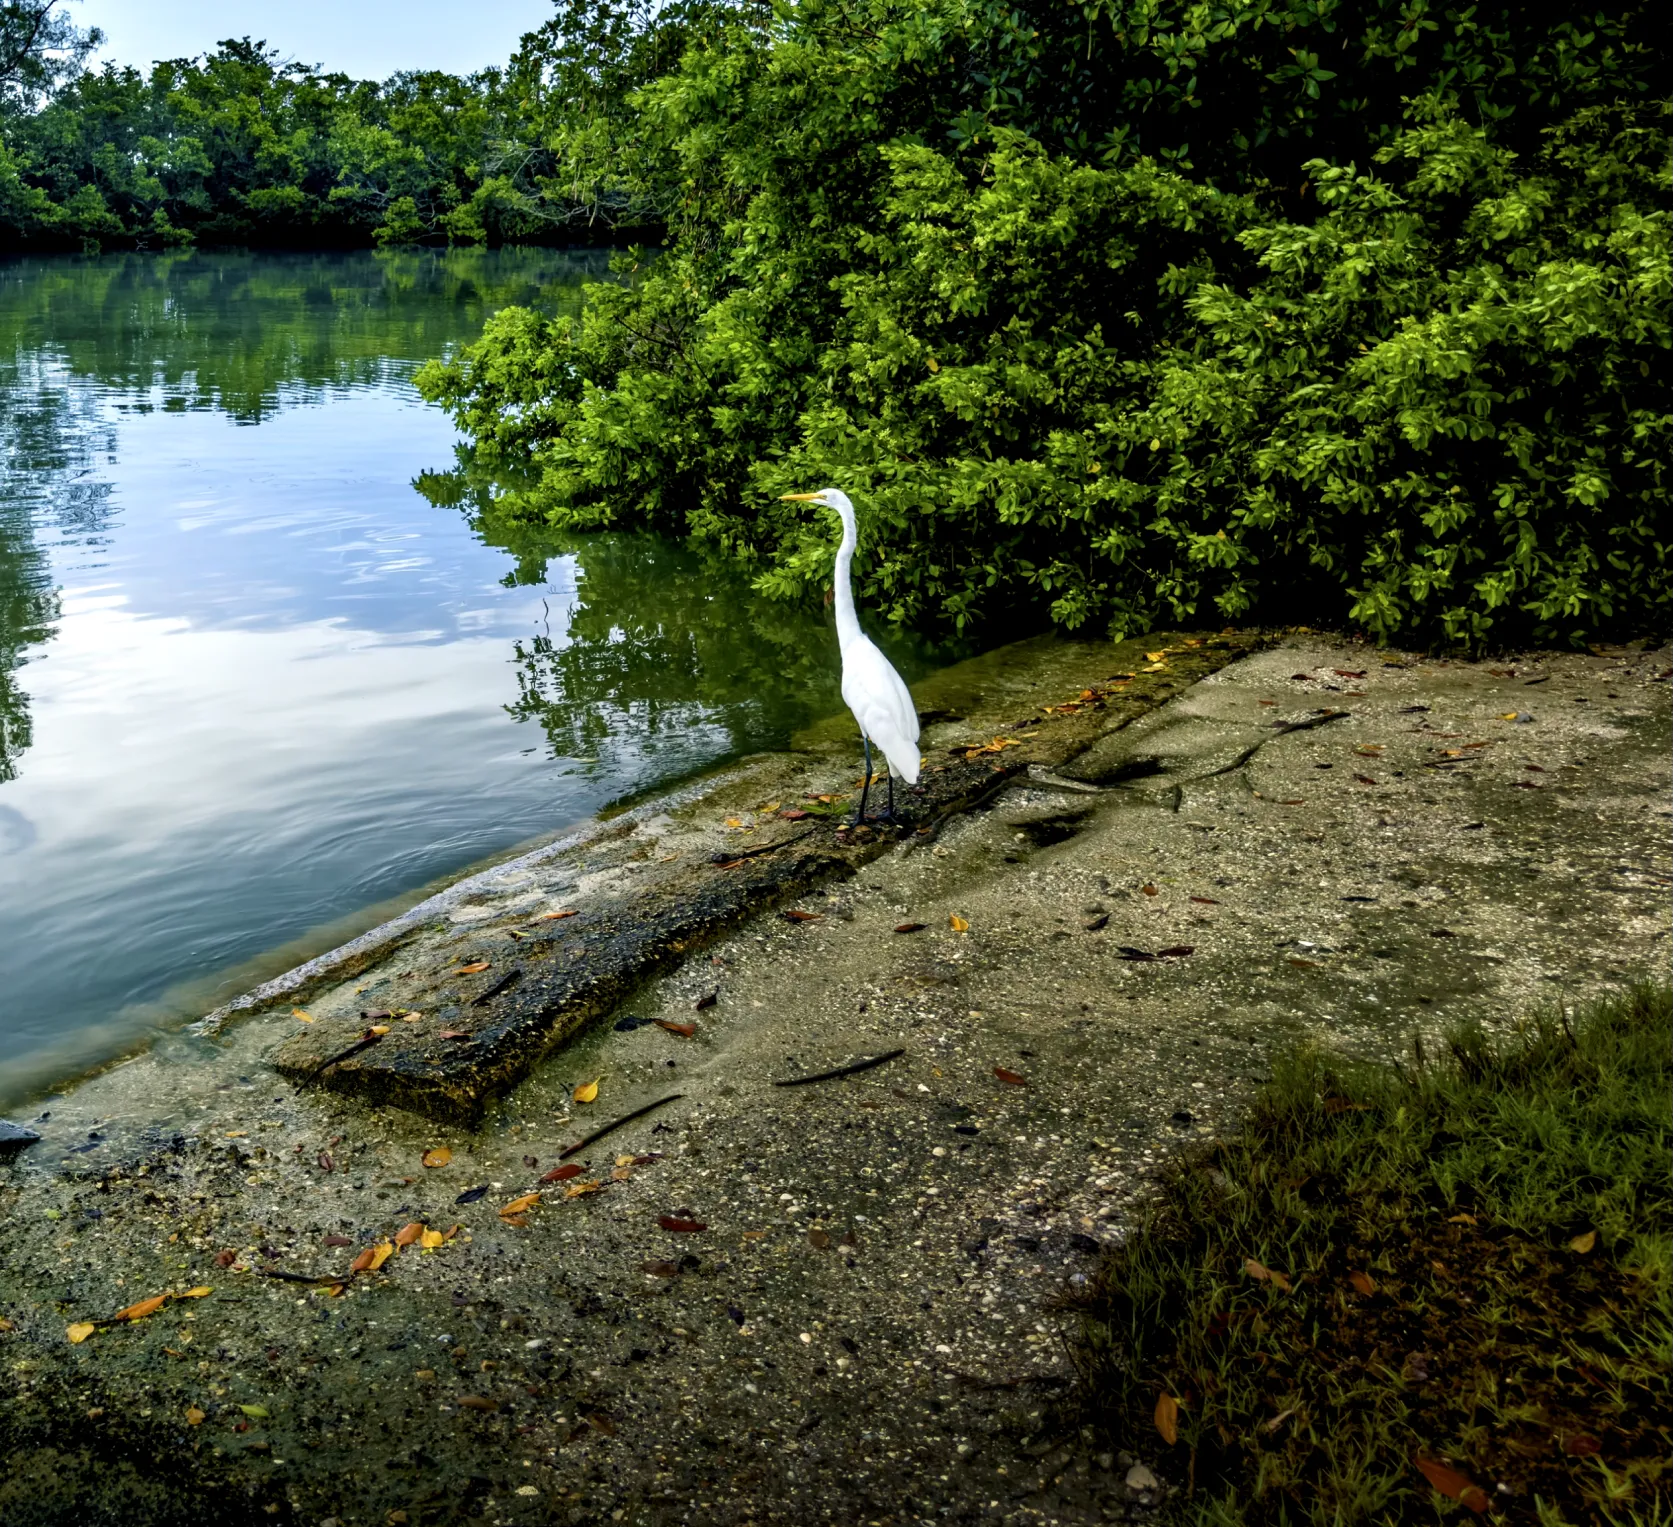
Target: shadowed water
261, 671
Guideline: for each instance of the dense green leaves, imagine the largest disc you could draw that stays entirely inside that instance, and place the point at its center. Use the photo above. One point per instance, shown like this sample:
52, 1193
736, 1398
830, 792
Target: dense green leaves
1126, 311
237, 147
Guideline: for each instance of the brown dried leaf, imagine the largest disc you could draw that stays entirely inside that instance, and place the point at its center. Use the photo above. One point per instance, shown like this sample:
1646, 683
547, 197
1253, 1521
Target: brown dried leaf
1011, 1078
660, 1269
680, 1224
364, 1261
1167, 1418
1207, 901
1150, 890
1176, 951
796, 915
684, 1030
1363, 1282
562, 1173
819, 1240
409, 1233
194, 1416
437, 1155
1266, 1275
552, 917
476, 967
522, 1204
477, 1402
225, 1258
1452, 1484
909, 927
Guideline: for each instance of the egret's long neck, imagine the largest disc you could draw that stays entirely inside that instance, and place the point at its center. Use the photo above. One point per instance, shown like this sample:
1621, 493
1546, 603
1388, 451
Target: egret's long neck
848, 625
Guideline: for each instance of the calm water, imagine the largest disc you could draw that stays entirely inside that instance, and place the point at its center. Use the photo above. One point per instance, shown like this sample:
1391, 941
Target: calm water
260, 670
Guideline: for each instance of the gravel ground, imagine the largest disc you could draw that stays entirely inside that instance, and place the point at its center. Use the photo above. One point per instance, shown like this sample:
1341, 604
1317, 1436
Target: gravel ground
862, 1329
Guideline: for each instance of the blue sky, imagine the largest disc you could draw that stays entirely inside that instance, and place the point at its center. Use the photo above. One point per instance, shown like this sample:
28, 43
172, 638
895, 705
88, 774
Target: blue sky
369, 39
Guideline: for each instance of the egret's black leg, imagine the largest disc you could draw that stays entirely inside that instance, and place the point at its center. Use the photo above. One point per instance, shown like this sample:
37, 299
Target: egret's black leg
890, 813
865, 789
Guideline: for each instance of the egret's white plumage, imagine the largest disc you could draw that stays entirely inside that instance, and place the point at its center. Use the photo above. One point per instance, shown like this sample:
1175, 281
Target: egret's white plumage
874, 692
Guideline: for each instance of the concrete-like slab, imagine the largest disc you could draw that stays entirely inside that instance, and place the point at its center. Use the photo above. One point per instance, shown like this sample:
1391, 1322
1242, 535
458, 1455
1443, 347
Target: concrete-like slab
1430, 858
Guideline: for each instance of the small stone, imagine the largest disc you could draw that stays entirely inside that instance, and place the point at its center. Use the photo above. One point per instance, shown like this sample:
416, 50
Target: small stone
1140, 1479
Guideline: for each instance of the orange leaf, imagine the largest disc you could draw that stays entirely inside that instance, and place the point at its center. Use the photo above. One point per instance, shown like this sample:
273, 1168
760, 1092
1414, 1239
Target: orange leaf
437, 1155
1363, 1283
1167, 1418
1150, 890
518, 1205
409, 1233
1583, 1243
1012, 1077
958, 924
143, 1308
576, 1189
303, 1017
586, 1092
552, 917
364, 1261
476, 967
562, 1173
1452, 1484
684, 1030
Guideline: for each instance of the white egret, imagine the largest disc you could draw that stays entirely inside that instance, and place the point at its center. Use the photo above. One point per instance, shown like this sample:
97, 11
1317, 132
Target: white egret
874, 692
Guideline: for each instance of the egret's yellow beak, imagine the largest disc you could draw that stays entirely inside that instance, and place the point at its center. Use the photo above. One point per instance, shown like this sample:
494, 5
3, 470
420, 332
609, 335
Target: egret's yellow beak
797, 498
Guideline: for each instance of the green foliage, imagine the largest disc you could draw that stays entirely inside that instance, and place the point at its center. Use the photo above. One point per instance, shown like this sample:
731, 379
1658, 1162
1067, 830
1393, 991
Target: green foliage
237, 147
1133, 311
1479, 1264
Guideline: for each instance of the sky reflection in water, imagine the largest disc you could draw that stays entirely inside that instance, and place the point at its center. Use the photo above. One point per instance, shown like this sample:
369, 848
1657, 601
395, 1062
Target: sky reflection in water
251, 681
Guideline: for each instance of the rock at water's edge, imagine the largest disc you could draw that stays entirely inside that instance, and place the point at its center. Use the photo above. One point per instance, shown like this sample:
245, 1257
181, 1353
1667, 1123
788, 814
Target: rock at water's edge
13, 1138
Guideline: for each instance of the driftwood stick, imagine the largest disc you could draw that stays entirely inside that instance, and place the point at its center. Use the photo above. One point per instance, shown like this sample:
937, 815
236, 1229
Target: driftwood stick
828, 1076
615, 1124
765, 848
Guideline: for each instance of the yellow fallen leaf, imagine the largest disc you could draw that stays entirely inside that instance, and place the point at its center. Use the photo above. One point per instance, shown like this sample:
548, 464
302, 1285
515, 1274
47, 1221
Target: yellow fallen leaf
143, 1308
1167, 1418
381, 1253
1510, 715
194, 1416
437, 1155
624, 1161
80, 1331
733, 822
380, 1029
620, 1173
1154, 657
202, 1291
431, 1239
576, 1189
518, 1205
1583, 1243
958, 924
259, 1412
234, 1134
297, 1012
586, 1092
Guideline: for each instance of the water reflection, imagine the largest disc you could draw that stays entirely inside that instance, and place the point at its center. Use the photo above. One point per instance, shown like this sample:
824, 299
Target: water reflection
250, 680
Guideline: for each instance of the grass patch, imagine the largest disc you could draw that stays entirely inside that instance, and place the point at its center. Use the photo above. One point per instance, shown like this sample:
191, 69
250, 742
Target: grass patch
1478, 1253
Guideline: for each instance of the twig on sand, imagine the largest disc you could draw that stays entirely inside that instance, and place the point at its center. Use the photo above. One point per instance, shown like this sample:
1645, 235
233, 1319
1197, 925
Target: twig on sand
365, 1042
615, 1124
765, 848
828, 1076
